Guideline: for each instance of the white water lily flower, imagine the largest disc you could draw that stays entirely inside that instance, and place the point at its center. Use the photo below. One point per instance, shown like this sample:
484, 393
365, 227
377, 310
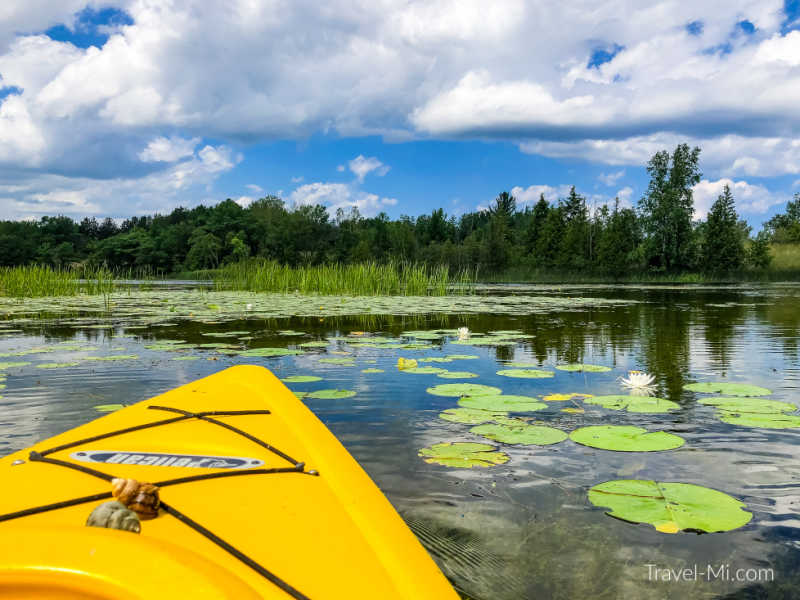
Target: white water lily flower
638, 380
249, 307
463, 333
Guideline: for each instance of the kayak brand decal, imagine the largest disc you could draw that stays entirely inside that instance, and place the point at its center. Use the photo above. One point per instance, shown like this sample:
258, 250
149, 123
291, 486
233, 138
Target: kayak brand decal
153, 459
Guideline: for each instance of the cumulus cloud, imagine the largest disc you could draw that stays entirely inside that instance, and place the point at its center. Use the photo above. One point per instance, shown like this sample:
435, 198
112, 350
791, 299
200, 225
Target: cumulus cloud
237, 72
340, 195
168, 149
610, 179
752, 199
255, 188
361, 167
530, 195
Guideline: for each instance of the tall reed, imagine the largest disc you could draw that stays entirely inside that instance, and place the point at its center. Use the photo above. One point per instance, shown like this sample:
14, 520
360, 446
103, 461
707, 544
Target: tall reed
362, 279
32, 281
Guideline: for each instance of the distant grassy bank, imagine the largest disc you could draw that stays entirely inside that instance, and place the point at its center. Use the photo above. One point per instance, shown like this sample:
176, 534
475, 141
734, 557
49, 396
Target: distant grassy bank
367, 278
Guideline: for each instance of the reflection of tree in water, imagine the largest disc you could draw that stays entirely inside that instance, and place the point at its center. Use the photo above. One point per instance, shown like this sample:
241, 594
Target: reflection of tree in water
782, 316
719, 327
665, 346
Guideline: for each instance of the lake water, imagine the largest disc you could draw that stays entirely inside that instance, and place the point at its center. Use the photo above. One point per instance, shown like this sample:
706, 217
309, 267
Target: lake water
523, 529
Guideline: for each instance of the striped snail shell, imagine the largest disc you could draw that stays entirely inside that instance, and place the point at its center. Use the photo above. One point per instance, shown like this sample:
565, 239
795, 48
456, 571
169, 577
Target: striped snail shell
114, 515
142, 498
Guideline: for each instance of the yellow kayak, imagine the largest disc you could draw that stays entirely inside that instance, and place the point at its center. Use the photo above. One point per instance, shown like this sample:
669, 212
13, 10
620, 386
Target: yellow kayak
255, 498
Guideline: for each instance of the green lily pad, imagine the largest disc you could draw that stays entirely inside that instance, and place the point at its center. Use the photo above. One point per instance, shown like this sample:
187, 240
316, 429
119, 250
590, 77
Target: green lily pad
422, 335
473, 416
186, 358
525, 373
317, 344
287, 332
346, 362
424, 370
634, 404
436, 359
748, 405
763, 420
301, 379
670, 507
114, 357
269, 352
728, 389
372, 370
300, 394
522, 365
463, 454
331, 394
463, 389
528, 435
108, 407
457, 375
10, 365
583, 368
462, 356
500, 403
624, 438
217, 345
223, 334
57, 365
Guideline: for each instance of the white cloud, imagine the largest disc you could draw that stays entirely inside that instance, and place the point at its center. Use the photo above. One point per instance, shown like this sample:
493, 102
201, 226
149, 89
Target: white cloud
610, 179
168, 149
297, 179
752, 199
340, 195
625, 195
257, 189
403, 69
362, 166
530, 195
340, 168
244, 201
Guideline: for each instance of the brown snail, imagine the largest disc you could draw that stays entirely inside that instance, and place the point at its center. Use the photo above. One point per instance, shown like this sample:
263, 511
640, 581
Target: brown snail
114, 515
142, 498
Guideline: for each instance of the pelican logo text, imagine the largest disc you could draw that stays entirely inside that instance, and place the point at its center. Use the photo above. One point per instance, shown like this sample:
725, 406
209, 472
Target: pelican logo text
152, 459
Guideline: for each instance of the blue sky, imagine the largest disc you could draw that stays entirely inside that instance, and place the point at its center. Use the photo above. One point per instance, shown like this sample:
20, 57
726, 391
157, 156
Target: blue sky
130, 107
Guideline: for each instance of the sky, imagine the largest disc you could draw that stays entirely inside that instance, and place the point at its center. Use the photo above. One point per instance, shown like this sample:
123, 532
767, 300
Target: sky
133, 107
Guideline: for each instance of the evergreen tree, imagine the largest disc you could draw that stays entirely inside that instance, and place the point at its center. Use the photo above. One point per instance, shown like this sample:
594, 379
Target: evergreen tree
668, 206
758, 254
723, 248
535, 224
573, 250
617, 247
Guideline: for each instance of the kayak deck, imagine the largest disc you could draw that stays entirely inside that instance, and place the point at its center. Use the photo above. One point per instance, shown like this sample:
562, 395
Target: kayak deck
287, 512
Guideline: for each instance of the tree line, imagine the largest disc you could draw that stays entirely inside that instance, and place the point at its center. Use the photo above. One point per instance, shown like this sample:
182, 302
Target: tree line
659, 235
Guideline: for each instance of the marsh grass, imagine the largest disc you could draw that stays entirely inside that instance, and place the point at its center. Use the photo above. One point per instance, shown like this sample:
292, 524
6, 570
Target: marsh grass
33, 281
362, 279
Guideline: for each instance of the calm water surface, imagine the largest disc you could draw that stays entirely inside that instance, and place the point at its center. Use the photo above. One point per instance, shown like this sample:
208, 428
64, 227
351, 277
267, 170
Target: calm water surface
524, 529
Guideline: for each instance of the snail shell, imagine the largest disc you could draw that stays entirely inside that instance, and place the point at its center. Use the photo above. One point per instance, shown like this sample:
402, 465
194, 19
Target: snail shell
114, 515
139, 497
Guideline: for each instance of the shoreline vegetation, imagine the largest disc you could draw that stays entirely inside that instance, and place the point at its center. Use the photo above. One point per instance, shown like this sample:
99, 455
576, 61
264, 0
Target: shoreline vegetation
268, 246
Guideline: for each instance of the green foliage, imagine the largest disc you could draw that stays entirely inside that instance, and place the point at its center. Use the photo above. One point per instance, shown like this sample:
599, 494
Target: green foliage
758, 255
723, 246
670, 507
463, 455
785, 228
528, 435
667, 208
729, 389
622, 438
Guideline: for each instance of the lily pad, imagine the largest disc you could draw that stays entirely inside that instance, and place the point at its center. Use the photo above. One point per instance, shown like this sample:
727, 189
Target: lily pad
10, 365
346, 362
528, 435
472, 416
463, 389
372, 370
331, 394
634, 404
526, 373
578, 368
108, 407
573, 410
623, 438
301, 379
317, 344
463, 454
300, 394
763, 420
462, 356
269, 352
457, 375
424, 370
728, 389
748, 405
500, 403
436, 359
564, 397
186, 358
114, 357
670, 507
57, 365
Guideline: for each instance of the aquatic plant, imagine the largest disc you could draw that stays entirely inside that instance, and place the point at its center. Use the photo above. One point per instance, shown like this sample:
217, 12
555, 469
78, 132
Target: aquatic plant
728, 389
527, 435
622, 438
634, 404
463, 454
670, 507
32, 281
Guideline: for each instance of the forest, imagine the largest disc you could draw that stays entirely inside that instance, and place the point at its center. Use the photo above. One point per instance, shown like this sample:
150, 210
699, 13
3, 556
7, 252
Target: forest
657, 236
